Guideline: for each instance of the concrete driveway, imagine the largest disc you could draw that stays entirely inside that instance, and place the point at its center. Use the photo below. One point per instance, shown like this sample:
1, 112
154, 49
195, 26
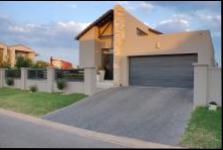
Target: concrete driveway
146, 113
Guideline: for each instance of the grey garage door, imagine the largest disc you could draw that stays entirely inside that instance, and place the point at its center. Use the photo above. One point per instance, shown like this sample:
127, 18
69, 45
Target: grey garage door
162, 71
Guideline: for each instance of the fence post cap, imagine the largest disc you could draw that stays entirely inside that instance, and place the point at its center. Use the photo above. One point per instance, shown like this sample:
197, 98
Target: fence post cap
50, 67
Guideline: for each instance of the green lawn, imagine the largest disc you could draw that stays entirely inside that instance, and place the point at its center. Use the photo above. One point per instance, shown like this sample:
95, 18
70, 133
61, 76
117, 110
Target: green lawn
204, 129
37, 103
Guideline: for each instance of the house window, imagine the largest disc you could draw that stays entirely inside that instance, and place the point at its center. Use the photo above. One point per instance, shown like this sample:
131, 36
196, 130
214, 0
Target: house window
140, 32
20, 54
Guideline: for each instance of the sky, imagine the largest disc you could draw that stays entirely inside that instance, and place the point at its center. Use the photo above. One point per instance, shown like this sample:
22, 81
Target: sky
50, 27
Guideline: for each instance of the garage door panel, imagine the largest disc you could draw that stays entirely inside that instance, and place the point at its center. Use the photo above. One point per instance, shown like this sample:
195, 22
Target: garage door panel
164, 71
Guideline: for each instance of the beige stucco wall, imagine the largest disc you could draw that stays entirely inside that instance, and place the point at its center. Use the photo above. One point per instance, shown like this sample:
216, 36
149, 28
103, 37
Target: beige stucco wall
214, 85
40, 84
200, 85
72, 87
3, 48
131, 23
87, 54
1, 55
90, 47
198, 42
207, 85
128, 43
17, 84
88, 86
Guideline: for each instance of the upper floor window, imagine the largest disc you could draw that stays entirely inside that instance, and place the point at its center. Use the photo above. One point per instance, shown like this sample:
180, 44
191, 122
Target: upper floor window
140, 32
19, 54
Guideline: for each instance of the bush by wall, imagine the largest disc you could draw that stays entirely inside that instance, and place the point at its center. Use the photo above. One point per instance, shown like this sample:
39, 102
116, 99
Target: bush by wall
33, 88
9, 81
61, 84
40, 64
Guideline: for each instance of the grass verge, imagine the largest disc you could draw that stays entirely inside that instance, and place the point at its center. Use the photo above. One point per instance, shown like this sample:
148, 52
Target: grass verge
204, 129
37, 103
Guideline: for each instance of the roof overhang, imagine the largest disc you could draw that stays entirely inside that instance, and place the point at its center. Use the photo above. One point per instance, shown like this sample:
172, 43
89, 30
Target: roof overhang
106, 16
99, 21
155, 31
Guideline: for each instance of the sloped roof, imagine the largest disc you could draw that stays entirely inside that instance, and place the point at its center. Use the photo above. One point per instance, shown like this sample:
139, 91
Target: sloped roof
96, 22
103, 17
15, 45
28, 49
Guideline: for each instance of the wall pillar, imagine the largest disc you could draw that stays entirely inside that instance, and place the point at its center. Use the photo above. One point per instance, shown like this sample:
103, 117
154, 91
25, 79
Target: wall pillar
90, 81
2, 77
23, 79
50, 79
119, 36
200, 85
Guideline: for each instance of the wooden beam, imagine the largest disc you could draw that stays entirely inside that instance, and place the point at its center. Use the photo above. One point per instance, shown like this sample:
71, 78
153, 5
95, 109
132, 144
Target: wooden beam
106, 27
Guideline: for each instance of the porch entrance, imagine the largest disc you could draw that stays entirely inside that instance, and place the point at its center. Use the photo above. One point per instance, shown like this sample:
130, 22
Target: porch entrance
107, 63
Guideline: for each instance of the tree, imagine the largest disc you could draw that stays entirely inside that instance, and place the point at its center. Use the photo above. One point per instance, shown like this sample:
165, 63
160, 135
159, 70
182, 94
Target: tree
23, 62
41, 64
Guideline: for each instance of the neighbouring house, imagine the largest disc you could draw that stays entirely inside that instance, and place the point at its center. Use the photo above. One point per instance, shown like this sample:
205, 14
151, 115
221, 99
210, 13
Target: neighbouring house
134, 54
10, 53
61, 64
3, 52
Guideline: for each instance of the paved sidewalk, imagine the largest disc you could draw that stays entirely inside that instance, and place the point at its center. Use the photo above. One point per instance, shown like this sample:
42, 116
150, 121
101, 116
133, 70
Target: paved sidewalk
19, 130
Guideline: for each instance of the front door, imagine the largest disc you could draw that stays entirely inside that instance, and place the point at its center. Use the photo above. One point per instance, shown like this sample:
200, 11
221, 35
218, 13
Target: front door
108, 65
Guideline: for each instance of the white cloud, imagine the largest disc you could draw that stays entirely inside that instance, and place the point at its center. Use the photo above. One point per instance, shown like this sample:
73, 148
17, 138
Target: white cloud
210, 21
135, 6
173, 25
123, 2
16, 29
145, 6
52, 39
72, 25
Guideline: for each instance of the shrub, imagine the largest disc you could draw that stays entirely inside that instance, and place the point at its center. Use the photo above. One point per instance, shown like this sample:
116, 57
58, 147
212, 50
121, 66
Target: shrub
40, 64
33, 88
23, 62
61, 84
10, 81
